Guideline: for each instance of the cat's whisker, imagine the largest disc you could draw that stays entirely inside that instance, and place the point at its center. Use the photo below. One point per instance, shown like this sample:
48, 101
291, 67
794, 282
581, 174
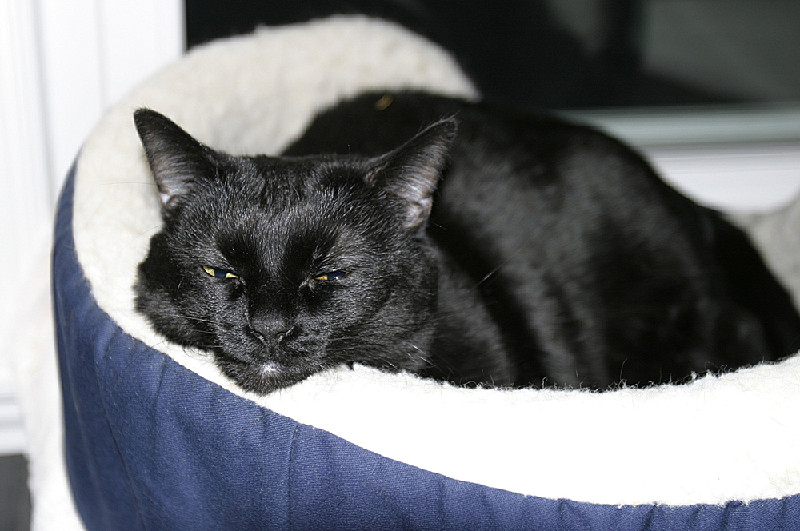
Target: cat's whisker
200, 319
494, 271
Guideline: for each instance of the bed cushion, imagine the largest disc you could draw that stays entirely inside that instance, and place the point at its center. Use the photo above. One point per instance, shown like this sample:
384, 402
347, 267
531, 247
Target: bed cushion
157, 437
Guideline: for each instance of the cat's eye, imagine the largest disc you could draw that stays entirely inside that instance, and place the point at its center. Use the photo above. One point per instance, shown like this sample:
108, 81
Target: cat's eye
332, 275
219, 273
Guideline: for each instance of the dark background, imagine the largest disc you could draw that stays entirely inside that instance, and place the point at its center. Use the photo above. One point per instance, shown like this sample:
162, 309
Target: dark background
518, 52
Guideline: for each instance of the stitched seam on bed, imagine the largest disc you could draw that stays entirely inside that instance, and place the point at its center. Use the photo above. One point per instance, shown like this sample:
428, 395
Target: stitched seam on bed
112, 428
290, 478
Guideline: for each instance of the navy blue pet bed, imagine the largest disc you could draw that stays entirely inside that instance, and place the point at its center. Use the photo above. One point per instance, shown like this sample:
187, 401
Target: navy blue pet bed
157, 438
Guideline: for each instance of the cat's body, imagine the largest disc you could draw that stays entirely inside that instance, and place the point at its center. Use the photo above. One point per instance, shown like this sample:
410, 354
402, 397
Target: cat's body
547, 253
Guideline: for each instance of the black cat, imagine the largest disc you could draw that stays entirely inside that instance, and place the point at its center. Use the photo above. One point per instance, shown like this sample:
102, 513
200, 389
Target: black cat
491, 248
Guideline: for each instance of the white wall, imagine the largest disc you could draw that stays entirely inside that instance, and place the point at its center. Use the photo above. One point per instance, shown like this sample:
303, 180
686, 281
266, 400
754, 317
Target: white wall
61, 64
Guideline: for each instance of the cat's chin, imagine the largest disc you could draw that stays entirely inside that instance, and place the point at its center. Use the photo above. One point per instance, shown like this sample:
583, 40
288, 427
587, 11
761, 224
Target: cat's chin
266, 377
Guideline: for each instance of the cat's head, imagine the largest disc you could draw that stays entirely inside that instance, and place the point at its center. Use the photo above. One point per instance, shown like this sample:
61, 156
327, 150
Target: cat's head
284, 267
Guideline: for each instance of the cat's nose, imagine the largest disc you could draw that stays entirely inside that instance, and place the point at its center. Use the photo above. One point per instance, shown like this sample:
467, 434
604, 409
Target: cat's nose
272, 330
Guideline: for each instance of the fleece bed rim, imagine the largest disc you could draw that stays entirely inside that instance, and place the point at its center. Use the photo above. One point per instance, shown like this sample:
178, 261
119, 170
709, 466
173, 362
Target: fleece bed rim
512, 440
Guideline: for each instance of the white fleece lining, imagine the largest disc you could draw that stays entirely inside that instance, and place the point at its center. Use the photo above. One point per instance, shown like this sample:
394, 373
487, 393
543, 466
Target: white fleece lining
735, 437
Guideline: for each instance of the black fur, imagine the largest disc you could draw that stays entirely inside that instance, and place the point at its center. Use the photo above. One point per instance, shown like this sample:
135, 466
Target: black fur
491, 248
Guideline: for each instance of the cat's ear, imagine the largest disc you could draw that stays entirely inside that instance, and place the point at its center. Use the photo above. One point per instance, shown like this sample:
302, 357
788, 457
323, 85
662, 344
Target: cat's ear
176, 159
411, 172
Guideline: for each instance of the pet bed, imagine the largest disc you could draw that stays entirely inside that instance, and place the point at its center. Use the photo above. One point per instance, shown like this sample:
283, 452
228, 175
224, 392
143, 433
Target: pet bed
156, 437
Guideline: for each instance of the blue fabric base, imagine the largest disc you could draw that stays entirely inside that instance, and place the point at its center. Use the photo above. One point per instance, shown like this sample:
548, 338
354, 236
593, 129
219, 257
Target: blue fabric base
151, 445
